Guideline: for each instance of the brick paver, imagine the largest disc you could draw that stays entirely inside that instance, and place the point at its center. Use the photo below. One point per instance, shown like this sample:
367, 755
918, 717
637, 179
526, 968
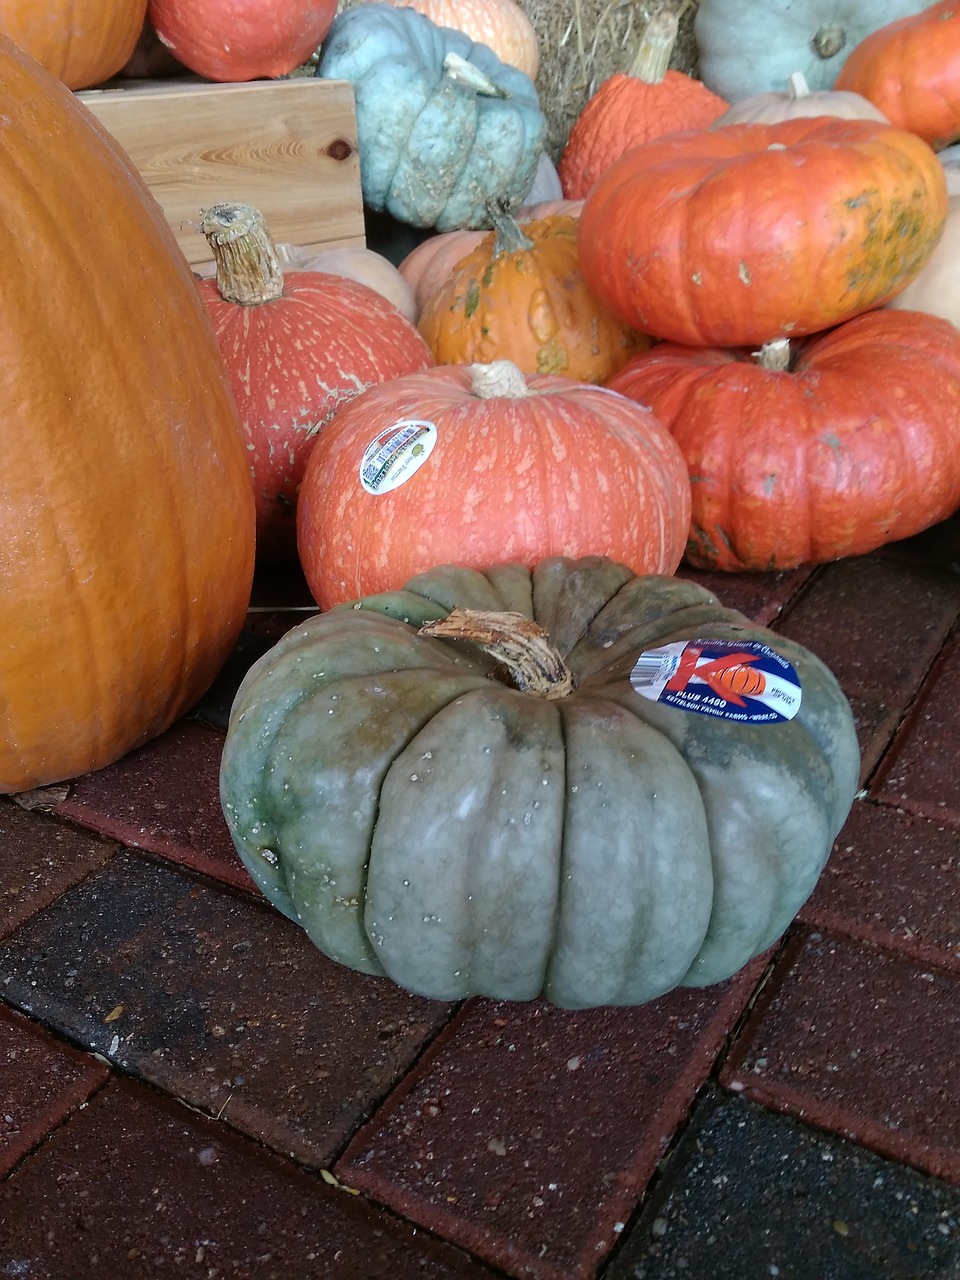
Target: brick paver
530, 1133
858, 1040
136, 1187
188, 1087
41, 1082
219, 1000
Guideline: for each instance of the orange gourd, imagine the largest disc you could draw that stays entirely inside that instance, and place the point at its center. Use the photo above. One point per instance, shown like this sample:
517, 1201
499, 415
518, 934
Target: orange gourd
482, 465
647, 101
81, 42
520, 295
126, 509
429, 266
910, 70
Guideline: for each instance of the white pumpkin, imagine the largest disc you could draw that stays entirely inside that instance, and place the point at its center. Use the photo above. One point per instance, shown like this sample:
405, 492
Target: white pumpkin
936, 289
799, 101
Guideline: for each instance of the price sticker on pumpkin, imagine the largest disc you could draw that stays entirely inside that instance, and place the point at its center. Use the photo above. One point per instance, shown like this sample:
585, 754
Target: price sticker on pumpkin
393, 456
737, 680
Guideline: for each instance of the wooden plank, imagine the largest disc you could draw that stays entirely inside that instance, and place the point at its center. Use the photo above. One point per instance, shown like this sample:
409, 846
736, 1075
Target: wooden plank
289, 147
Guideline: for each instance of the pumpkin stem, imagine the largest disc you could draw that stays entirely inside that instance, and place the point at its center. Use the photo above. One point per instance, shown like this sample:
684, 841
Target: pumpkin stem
829, 40
652, 59
499, 378
509, 237
774, 355
797, 86
248, 267
460, 71
517, 643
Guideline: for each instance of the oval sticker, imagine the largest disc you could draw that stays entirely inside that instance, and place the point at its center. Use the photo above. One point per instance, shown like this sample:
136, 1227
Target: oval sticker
395, 454
729, 679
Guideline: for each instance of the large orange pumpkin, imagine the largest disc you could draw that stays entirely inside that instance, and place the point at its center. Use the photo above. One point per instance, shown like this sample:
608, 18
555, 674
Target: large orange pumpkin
844, 444
81, 42
910, 69
480, 465
126, 509
740, 235
520, 295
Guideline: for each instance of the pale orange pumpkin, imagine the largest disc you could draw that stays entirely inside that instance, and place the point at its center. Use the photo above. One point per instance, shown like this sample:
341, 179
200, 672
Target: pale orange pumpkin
126, 508
81, 42
520, 295
499, 24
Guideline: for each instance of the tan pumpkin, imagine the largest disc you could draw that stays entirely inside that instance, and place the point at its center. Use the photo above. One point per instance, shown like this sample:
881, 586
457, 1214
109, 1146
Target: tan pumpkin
799, 100
502, 25
936, 290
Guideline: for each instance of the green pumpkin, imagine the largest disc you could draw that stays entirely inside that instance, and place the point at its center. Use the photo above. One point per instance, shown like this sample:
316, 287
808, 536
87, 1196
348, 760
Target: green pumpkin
443, 126
512, 810
755, 46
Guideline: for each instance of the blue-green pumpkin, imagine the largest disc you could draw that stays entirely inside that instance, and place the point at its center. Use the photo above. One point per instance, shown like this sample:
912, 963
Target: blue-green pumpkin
474, 805
443, 126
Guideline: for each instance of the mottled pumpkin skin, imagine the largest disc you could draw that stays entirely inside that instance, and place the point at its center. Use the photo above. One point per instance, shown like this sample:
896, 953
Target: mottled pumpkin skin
854, 447
530, 305
427, 822
739, 235
126, 508
81, 42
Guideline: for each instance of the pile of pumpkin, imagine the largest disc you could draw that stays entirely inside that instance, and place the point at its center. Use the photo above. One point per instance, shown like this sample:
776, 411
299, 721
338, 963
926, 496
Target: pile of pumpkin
481, 768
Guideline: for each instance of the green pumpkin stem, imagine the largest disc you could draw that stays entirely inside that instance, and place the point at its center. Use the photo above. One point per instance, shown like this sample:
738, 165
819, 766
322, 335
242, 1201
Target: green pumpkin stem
517, 643
509, 238
248, 266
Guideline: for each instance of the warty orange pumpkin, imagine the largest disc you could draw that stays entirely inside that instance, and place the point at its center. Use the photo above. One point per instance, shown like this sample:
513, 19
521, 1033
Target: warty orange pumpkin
740, 235
520, 295
480, 464
126, 509
646, 101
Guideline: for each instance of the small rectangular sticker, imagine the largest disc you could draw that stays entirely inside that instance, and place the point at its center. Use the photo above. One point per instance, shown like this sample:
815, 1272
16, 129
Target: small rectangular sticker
744, 681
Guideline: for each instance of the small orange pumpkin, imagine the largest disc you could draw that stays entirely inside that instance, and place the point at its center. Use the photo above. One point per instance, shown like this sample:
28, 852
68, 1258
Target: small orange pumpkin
647, 101
520, 295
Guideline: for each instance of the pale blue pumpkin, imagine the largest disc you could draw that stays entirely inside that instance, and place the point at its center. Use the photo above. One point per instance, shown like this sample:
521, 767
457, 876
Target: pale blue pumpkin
443, 126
